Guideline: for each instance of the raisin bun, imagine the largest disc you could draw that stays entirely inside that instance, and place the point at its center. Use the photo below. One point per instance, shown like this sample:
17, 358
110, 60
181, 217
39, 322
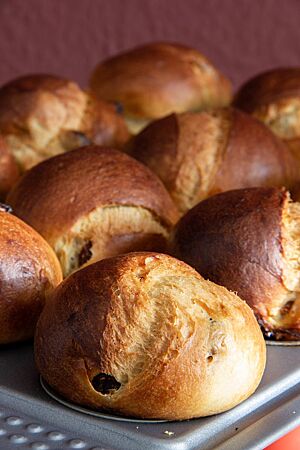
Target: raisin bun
145, 335
29, 271
248, 240
157, 79
274, 98
197, 155
92, 203
43, 115
9, 171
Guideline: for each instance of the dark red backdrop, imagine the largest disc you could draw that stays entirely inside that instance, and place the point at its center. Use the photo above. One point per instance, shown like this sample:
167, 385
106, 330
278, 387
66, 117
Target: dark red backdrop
68, 37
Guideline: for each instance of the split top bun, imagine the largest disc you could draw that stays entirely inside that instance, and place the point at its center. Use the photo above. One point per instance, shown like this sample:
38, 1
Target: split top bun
92, 203
9, 171
274, 98
248, 240
29, 271
43, 115
144, 335
157, 79
200, 154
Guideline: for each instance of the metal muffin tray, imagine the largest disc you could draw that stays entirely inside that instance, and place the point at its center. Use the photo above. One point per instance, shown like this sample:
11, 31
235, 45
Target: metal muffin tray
31, 419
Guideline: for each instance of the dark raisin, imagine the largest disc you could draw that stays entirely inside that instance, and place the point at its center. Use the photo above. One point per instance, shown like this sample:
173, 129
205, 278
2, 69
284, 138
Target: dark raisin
119, 108
5, 208
286, 308
74, 139
85, 254
106, 384
80, 139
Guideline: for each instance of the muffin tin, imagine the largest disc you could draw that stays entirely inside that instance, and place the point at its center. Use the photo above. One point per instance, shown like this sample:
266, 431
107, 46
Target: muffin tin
31, 419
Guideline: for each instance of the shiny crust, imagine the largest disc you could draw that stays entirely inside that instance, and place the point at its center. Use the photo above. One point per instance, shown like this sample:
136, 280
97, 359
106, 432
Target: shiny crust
254, 157
43, 115
268, 87
200, 154
29, 272
236, 240
274, 98
154, 80
94, 196
103, 123
168, 337
54, 194
9, 171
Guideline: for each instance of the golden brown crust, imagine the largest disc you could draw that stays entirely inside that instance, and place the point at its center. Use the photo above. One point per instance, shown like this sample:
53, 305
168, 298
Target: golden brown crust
9, 171
254, 157
268, 87
157, 79
199, 154
184, 151
103, 123
29, 271
44, 115
97, 195
274, 98
54, 194
236, 240
164, 339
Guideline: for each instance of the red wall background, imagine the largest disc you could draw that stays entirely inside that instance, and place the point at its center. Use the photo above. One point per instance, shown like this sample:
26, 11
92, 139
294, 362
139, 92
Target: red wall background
69, 37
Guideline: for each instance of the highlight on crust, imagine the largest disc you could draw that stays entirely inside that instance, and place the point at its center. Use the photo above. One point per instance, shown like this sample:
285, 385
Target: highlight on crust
248, 240
92, 203
119, 335
274, 98
45, 115
9, 171
157, 79
197, 155
29, 271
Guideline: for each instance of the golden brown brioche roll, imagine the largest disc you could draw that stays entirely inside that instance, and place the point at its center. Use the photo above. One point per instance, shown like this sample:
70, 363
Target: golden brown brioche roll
157, 79
43, 115
9, 171
248, 240
274, 98
144, 335
29, 271
92, 203
199, 154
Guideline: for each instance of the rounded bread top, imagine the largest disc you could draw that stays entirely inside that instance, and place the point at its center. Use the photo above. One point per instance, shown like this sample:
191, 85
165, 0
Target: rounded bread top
55, 193
162, 337
156, 79
268, 87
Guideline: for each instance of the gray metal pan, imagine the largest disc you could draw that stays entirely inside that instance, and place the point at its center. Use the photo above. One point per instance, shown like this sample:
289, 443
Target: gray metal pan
30, 419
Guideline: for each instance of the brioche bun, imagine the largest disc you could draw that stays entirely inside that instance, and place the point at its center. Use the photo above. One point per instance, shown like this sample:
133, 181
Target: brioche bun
93, 203
144, 335
29, 271
248, 240
157, 79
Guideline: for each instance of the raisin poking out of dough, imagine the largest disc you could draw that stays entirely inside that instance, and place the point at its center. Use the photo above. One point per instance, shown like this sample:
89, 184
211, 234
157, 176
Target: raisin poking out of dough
105, 384
119, 108
85, 254
287, 307
5, 208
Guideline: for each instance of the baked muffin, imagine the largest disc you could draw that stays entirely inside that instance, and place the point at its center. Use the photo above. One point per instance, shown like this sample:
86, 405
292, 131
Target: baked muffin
92, 203
157, 79
144, 335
